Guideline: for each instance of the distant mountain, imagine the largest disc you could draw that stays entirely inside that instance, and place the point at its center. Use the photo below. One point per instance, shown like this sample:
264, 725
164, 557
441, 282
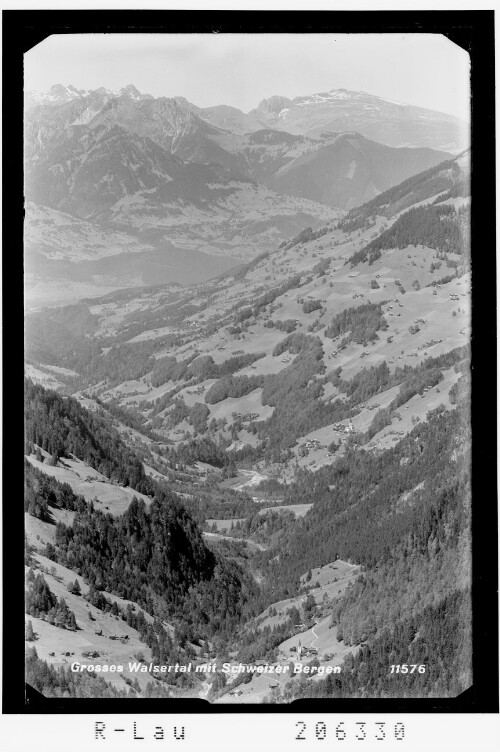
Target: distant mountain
108, 208
171, 123
232, 119
314, 164
313, 168
106, 173
58, 94
342, 170
87, 169
391, 123
182, 180
445, 183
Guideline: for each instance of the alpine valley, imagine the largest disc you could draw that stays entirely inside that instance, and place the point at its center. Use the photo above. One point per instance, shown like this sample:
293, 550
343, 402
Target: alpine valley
247, 398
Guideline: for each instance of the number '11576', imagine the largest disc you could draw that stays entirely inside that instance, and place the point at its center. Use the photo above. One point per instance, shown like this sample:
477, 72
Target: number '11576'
407, 668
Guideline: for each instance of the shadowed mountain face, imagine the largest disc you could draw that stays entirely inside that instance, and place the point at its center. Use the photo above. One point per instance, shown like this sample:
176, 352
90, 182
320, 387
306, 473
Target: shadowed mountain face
346, 170
87, 170
172, 177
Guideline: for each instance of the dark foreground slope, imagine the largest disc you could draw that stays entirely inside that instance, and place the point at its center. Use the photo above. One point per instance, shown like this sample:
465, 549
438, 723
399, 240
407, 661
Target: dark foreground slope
153, 554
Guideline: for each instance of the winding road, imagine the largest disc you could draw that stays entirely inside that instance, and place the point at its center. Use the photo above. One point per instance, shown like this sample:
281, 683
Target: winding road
316, 637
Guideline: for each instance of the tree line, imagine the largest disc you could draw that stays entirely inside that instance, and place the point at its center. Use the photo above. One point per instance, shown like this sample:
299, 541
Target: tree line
434, 226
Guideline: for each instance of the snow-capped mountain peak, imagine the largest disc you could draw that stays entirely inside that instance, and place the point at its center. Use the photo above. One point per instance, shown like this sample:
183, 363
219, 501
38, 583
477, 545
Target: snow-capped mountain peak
59, 94
377, 118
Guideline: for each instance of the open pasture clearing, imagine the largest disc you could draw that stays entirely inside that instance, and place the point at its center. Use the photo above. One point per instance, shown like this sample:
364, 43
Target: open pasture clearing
344, 573
39, 532
249, 404
415, 410
438, 331
225, 525
299, 510
42, 377
90, 484
245, 480
336, 570
52, 639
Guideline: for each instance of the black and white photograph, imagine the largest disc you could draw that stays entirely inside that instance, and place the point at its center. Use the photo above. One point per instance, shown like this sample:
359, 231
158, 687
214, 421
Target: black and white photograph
247, 359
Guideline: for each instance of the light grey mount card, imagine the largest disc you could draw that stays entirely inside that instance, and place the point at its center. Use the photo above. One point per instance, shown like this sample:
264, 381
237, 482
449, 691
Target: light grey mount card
247, 276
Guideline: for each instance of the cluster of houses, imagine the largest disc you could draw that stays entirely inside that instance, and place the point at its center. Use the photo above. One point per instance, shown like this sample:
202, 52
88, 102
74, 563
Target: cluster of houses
198, 390
313, 444
302, 650
122, 638
430, 343
342, 428
309, 446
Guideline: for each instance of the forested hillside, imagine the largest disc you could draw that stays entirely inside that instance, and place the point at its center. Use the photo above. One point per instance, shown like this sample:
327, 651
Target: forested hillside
153, 555
61, 426
365, 505
439, 227
436, 639
446, 180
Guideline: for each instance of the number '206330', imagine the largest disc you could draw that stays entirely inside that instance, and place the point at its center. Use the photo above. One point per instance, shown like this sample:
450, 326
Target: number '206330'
359, 731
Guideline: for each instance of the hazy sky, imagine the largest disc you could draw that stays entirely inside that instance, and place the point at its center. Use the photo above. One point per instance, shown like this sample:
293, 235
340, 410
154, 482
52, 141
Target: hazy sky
241, 69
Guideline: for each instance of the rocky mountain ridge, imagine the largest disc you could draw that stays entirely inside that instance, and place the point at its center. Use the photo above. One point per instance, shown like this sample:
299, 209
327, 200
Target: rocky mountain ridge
383, 120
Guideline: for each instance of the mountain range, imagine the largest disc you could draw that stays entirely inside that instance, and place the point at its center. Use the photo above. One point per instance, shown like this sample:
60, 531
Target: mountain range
181, 181
390, 123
